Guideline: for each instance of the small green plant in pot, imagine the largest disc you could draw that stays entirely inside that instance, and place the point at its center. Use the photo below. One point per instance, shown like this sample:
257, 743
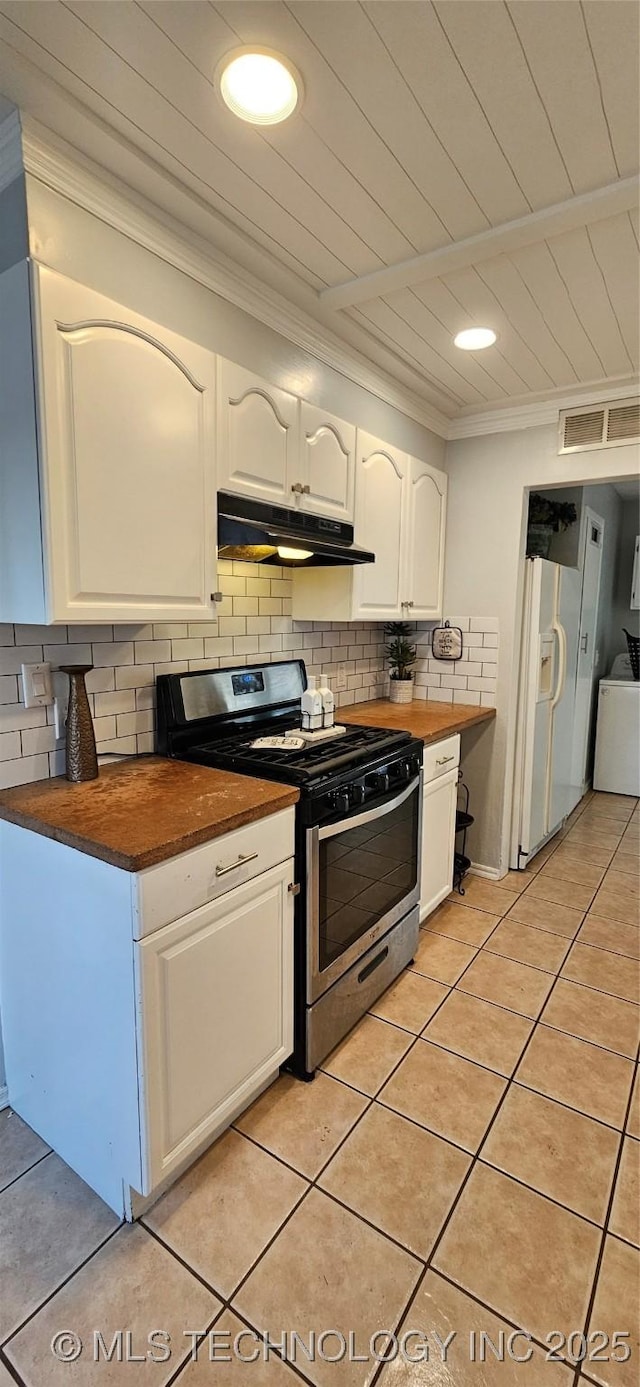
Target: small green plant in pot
400, 654
545, 519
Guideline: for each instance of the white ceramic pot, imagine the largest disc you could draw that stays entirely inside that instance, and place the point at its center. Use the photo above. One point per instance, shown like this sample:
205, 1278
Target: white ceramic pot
401, 690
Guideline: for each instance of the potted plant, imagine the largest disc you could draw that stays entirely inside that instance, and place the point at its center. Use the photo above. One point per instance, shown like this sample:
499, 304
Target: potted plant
400, 655
546, 518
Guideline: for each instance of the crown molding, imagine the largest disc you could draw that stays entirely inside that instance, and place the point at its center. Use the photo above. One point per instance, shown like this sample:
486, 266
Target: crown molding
101, 194
546, 411
11, 164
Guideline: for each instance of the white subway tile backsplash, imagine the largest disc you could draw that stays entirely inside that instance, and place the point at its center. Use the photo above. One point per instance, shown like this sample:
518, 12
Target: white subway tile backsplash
483, 685
147, 652
251, 623
119, 653
10, 748
24, 771
12, 657
172, 630
190, 649
232, 626
134, 676
246, 606
37, 739
13, 717
127, 723
9, 688
246, 645
118, 701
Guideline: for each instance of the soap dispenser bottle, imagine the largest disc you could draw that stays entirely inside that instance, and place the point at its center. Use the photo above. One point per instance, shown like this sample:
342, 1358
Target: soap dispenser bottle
328, 702
311, 706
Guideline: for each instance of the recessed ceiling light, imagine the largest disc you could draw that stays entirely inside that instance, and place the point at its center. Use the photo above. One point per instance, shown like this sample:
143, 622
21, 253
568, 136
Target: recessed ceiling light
259, 85
473, 339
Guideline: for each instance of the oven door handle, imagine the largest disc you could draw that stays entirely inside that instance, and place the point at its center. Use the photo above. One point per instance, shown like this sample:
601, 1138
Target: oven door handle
368, 815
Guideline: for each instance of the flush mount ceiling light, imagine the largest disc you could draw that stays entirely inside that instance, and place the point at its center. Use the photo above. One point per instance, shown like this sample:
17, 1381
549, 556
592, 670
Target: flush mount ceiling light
474, 339
259, 85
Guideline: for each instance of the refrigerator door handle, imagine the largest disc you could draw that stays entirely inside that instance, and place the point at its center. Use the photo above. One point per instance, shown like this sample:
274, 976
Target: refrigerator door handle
562, 662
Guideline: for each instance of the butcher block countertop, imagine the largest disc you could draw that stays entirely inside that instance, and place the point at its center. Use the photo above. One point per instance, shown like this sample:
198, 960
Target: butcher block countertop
429, 720
141, 812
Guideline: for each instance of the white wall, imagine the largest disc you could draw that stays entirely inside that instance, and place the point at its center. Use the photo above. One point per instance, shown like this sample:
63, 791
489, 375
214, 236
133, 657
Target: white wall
484, 564
622, 615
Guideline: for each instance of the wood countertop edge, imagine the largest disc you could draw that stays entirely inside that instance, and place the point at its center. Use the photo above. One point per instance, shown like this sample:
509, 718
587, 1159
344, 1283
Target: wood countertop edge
482, 715
164, 852
410, 716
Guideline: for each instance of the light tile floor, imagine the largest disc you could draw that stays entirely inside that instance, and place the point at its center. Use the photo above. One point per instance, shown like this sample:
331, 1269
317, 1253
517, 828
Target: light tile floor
467, 1162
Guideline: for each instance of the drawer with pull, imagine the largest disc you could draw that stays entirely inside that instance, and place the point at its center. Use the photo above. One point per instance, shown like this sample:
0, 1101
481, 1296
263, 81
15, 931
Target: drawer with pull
441, 757
174, 888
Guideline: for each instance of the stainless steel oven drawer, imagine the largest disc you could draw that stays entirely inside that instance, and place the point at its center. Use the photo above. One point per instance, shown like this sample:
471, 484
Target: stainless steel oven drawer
334, 1014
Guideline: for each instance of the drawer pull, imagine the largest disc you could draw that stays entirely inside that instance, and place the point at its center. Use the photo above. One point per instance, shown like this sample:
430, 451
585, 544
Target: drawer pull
233, 866
294, 888
443, 760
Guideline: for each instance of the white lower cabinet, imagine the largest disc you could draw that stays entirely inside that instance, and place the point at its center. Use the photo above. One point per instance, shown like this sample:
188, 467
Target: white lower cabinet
440, 795
216, 1015
132, 1037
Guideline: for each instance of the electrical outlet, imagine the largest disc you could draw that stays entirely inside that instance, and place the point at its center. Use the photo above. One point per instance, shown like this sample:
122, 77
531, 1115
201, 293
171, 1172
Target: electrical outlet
340, 681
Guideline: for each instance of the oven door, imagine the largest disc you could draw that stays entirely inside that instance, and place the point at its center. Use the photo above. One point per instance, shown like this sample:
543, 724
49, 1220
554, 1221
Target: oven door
363, 875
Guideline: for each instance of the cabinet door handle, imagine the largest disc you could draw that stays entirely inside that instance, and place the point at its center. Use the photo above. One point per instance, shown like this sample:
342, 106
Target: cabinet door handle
306, 489
233, 866
443, 760
294, 888
408, 604
297, 487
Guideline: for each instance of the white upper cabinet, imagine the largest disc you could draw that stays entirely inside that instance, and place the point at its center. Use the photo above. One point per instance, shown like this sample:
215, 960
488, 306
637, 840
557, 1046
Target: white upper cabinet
126, 435
328, 462
382, 473
400, 515
423, 543
258, 436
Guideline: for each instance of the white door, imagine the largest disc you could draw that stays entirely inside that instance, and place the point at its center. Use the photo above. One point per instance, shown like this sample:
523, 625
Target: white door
563, 792
127, 418
438, 840
258, 436
423, 543
216, 1015
328, 463
381, 473
591, 562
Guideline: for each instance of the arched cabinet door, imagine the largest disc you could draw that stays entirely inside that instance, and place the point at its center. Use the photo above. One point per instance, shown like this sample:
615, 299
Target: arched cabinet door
127, 430
328, 463
380, 487
424, 531
258, 436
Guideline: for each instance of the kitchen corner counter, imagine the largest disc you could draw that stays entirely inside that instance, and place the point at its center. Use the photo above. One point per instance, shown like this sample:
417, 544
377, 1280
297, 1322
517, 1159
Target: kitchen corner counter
141, 812
429, 720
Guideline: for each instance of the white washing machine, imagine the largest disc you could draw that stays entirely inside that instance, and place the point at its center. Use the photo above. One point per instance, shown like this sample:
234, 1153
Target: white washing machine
617, 761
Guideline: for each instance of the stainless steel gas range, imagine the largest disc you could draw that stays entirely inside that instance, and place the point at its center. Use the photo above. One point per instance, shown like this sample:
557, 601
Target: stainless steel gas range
358, 827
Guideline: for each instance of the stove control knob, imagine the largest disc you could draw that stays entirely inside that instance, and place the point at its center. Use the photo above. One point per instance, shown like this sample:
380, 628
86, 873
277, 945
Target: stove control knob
358, 794
340, 801
403, 771
379, 781
415, 765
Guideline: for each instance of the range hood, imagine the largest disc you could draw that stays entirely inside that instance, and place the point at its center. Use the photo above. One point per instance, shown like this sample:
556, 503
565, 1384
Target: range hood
258, 532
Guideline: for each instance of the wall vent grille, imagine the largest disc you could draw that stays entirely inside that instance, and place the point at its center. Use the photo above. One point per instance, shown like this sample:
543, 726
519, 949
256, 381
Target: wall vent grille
601, 426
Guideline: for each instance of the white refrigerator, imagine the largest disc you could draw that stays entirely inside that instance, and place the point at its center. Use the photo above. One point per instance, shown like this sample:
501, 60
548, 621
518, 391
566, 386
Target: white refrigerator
546, 787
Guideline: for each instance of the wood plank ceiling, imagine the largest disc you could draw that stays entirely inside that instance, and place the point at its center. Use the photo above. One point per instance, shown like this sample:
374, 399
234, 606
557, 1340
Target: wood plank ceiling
423, 124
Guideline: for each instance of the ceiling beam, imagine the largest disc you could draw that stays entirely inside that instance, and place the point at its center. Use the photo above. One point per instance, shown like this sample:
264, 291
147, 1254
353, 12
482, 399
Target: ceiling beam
617, 197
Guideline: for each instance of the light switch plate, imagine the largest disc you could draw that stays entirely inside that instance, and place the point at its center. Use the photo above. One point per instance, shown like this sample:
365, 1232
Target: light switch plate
37, 689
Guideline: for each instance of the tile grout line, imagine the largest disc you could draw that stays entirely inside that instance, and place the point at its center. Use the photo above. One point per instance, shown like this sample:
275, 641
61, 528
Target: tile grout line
65, 1282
